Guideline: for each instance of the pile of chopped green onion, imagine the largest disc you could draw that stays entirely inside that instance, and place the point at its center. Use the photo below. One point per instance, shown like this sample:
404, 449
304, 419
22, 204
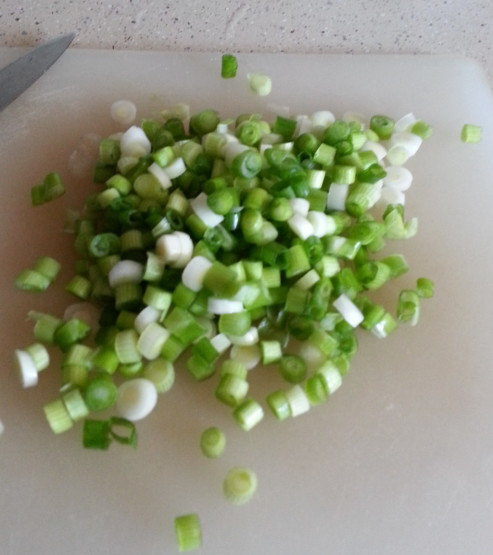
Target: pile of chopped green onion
227, 245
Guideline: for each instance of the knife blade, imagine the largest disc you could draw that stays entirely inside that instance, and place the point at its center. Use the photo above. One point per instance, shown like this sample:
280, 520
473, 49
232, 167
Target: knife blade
19, 75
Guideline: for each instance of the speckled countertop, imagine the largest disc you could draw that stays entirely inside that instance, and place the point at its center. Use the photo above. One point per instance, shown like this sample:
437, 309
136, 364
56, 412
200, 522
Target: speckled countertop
462, 27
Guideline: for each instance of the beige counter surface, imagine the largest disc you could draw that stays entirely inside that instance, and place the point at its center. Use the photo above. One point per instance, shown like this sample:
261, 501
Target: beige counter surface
461, 27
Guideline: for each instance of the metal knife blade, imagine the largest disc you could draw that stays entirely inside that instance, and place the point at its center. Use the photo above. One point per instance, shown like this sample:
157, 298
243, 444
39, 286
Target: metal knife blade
19, 75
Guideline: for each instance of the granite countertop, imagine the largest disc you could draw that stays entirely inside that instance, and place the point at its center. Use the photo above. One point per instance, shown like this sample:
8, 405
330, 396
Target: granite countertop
463, 27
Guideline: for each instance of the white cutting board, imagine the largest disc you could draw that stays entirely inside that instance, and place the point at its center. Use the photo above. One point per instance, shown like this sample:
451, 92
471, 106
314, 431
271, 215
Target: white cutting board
401, 458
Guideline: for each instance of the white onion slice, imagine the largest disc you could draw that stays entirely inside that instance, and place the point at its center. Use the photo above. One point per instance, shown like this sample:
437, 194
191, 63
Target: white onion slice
160, 174
300, 206
300, 225
123, 111
201, 209
298, 400
134, 142
410, 141
28, 372
398, 177
336, 198
125, 271
348, 310
224, 306
136, 399
194, 272
145, 317
221, 343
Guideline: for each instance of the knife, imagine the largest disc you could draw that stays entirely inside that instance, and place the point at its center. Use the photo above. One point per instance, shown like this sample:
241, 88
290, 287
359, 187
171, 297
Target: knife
23, 72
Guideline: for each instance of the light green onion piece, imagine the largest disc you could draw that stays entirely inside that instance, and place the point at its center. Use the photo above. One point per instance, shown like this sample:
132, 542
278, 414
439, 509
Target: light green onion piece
248, 414
32, 280
51, 188
292, 368
425, 287
232, 389
40, 355
75, 404
188, 532
408, 307
48, 267
233, 368
161, 373
58, 416
260, 84
271, 351
316, 390
151, 340
471, 134
240, 484
212, 442
79, 286
126, 346
279, 405
298, 400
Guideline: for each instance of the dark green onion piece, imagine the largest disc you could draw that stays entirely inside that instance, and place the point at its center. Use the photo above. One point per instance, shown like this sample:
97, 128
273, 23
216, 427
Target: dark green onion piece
204, 122
96, 434
129, 438
337, 131
229, 66
285, 127
247, 164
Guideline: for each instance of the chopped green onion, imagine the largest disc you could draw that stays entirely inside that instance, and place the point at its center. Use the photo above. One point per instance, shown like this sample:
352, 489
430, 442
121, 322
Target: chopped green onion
408, 306
96, 434
240, 485
279, 405
51, 188
232, 389
422, 129
229, 66
292, 368
100, 394
161, 373
31, 280
425, 287
248, 414
231, 243
117, 425
70, 332
261, 85
136, 398
76, 406
188, 532
212, 442
383, 126
204, 122
58, 416
471, 133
